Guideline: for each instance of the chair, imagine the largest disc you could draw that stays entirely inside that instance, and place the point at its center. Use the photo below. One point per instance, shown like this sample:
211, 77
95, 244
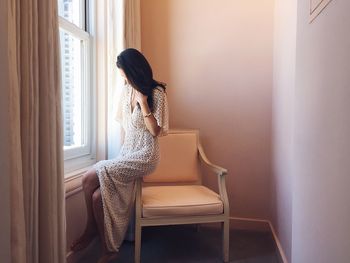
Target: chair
174, 194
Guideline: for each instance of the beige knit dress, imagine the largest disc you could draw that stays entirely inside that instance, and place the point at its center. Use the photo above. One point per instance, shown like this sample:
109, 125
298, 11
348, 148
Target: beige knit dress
138, 157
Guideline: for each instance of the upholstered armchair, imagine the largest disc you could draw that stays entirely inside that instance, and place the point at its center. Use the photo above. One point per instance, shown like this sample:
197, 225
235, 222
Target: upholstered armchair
174, 193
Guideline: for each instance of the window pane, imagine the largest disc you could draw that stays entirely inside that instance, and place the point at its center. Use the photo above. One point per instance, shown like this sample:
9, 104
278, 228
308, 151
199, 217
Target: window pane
72, 90
72, 10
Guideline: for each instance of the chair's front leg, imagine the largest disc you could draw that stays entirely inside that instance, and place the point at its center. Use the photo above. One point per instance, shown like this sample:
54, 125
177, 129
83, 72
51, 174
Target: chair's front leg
138, 215
226, 239
137, 242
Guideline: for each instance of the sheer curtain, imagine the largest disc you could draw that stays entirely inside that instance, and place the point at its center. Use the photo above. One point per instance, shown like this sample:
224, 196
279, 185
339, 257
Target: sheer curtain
124, 22
124, 31
35, 141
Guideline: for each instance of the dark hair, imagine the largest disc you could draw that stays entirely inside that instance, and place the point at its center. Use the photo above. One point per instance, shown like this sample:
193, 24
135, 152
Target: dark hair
139, 73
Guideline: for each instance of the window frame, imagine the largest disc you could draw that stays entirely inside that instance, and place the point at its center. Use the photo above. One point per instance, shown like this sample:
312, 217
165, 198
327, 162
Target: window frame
77, 158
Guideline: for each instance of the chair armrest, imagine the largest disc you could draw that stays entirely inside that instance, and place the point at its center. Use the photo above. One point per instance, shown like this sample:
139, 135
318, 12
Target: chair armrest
221, 172
215, 168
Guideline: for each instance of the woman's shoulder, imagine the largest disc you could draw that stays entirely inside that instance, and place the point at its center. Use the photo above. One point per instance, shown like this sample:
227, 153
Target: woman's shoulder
127, 87
158, 91
124, 92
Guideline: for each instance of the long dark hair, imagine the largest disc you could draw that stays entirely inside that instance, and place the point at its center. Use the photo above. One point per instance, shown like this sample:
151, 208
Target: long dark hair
139, 73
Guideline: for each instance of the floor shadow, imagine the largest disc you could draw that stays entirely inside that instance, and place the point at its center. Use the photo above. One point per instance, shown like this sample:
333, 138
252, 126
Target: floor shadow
175, 244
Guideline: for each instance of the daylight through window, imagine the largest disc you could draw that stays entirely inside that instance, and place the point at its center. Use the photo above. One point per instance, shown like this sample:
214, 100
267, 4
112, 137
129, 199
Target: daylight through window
76, 78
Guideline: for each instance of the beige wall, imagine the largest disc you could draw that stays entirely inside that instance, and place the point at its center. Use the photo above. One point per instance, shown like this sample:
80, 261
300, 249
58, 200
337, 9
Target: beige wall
321, 199
4, 134
285, 25
76, 215
216, 57
222, 85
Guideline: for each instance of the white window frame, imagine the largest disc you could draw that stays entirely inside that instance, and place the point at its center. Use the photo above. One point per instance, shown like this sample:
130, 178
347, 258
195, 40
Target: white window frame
76, 158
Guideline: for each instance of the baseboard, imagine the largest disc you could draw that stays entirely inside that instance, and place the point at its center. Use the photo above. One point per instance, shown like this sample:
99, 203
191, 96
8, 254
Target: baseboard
281, 254
249, 224
259, 225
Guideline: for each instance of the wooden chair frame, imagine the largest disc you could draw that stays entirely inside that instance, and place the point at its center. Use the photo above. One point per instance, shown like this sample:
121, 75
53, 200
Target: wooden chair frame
223, 218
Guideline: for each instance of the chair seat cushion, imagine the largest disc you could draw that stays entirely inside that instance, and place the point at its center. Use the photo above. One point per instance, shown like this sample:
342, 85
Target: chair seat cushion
161, 201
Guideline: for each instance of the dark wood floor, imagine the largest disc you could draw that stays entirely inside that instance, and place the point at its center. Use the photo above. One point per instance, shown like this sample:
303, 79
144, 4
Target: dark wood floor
175, 244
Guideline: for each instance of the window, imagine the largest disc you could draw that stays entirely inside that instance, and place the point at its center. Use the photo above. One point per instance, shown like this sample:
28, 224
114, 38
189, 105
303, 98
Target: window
77, 89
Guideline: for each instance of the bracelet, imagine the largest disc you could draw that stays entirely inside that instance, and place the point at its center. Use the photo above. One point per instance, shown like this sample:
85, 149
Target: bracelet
147, 115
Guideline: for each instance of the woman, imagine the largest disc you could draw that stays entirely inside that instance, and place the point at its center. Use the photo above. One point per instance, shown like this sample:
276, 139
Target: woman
109, 188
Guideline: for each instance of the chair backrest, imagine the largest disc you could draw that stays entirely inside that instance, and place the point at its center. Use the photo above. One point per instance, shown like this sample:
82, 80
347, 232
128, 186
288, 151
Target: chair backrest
179, 161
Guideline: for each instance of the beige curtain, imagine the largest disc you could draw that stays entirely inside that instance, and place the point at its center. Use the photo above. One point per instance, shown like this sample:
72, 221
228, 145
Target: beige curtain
132, 24
36, 167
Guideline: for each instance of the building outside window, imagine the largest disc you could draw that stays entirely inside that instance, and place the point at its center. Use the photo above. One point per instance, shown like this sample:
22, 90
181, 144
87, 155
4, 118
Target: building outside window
77, 89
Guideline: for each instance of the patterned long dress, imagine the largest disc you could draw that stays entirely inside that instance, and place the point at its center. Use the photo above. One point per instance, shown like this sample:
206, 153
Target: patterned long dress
138, 157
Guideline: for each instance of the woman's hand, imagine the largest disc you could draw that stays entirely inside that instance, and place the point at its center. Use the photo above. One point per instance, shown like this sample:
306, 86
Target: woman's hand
150, 121
140, 98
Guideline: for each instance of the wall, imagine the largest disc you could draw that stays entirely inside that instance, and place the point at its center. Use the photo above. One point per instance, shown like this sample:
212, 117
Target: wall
4, 135
76, 216
321, 207
285, 25
310, 133
216, 57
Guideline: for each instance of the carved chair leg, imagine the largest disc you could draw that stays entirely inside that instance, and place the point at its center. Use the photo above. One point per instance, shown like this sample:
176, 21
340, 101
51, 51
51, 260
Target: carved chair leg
226, 239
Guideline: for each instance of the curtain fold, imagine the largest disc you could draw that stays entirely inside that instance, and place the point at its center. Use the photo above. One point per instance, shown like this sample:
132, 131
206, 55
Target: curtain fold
132, 24
37, 181
18, 230
115, 44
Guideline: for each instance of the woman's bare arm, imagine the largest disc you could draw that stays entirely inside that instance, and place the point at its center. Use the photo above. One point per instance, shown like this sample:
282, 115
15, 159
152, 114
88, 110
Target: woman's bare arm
150, 121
